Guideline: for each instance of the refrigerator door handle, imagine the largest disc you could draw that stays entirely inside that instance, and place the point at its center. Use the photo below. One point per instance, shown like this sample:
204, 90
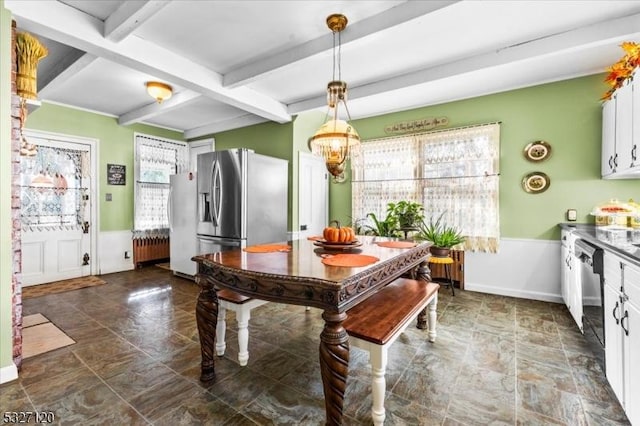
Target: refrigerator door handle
218, 189
212, 193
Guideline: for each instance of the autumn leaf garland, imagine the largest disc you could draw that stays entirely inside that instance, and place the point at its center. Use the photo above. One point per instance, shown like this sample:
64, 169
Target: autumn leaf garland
622, 70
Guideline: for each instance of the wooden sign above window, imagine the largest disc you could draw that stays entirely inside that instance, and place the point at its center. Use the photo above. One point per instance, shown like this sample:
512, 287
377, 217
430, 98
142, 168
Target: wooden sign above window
416, 126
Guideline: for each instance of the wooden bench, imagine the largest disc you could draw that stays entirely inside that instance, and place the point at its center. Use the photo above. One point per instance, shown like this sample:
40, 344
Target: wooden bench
373, 325
241, 305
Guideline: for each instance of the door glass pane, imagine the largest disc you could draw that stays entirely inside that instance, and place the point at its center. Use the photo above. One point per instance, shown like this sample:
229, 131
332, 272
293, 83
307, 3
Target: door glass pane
52, 195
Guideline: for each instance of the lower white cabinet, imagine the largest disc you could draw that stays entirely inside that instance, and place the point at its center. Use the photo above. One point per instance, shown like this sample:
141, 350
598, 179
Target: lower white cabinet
622, 332
569, 276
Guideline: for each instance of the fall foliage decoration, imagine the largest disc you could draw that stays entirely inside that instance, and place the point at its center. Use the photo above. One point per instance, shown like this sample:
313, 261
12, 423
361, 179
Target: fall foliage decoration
622, 70
29, 52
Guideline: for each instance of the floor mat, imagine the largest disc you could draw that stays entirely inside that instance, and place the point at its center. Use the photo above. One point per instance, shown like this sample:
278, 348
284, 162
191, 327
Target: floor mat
39, 337
165, 265
61, 286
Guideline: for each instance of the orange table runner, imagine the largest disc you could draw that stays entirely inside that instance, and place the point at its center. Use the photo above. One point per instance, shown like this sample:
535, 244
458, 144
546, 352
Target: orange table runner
267, 248
396, 244
349, 260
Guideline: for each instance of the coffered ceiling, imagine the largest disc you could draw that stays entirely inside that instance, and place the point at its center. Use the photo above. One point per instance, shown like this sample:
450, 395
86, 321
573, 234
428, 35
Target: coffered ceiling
237, 63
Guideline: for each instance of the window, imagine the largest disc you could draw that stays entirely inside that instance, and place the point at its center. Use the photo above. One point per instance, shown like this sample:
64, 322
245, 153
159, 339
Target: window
155, 160
454, 172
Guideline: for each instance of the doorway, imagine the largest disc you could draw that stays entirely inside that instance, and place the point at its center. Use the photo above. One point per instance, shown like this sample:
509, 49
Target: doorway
58, 211
313, 194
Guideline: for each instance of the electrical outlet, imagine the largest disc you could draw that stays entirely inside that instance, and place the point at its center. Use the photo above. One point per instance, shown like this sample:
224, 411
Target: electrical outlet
572, 215
126, 255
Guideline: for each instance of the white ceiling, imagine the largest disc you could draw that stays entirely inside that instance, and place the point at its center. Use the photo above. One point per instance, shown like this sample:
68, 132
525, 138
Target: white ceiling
236, 63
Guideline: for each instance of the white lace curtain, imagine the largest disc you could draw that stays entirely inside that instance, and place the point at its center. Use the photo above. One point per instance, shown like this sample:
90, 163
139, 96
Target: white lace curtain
156, 160
454, 172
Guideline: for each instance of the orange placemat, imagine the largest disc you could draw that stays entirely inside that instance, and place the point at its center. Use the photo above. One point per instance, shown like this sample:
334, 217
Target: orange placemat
396, 244
316, 238
267, 248
349, 260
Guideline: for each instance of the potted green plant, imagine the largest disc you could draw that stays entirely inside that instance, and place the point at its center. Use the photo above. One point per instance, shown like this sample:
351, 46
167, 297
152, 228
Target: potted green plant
408, 213
443, 236
387, 227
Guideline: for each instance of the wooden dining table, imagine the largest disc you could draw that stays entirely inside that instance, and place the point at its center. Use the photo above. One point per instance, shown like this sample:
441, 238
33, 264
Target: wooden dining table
298, 276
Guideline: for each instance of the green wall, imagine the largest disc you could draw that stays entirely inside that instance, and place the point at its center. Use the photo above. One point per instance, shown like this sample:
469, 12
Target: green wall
6, 252
566, 114
116, 146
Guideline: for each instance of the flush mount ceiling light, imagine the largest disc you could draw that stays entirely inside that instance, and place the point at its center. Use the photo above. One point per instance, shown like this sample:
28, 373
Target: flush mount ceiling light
159, 91
336, 140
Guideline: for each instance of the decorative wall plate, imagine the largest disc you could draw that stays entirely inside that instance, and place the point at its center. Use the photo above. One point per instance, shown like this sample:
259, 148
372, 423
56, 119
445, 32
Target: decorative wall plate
536, 182
537, 151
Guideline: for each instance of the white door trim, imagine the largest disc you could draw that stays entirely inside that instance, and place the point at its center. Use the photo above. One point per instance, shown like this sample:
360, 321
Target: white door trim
93, 182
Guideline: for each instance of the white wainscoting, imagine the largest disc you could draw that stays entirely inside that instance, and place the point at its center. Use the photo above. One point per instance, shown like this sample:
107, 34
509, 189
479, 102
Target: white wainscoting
529, 269
111, 248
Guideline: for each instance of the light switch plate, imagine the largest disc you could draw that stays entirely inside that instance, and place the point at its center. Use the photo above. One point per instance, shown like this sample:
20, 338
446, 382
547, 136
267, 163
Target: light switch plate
572, 215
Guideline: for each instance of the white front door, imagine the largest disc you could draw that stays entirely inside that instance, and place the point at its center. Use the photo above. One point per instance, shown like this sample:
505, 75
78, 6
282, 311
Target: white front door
57, 208
313, 190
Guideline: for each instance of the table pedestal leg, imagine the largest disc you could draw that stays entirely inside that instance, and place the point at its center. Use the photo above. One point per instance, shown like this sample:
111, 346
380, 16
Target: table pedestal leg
334, 364
207, 319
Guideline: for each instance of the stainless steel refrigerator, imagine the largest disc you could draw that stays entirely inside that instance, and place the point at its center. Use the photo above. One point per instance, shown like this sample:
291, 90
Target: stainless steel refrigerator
242, 200
183, 217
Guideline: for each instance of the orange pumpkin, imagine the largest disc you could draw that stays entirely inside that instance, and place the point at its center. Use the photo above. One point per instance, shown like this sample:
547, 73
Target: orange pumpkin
338, 234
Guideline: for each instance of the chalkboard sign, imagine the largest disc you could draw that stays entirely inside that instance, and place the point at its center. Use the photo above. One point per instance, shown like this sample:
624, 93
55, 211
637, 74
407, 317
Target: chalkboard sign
116, 174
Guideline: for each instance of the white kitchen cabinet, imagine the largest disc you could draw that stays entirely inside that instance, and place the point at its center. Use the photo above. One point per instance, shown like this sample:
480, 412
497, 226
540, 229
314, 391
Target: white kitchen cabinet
622, 332
569, 280
608, 136
632, 364
613, 346
621, 133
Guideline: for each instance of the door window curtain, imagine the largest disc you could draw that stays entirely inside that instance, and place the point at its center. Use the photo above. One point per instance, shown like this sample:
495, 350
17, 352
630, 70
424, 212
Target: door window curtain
453, 172
53, 195
155, 160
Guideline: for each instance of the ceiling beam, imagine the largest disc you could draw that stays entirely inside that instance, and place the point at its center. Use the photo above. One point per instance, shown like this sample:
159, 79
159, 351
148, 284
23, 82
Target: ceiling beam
224, 125
66, 25
151, 110
397, 15
129, 16
615, 30
63, 70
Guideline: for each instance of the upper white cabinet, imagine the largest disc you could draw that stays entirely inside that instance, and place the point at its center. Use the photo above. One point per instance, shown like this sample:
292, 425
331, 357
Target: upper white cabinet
621, 133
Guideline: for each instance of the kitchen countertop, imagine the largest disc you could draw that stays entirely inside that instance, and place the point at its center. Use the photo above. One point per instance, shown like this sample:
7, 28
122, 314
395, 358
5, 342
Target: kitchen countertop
624, 242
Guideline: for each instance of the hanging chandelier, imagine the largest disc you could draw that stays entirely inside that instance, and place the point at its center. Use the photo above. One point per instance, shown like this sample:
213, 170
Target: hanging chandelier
336, 140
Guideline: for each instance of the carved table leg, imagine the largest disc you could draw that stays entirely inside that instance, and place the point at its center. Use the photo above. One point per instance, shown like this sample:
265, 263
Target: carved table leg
334, 364
207, 318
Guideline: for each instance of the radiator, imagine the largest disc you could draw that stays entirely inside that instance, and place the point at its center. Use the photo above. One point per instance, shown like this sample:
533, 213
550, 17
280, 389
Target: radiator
150, 249
457, 269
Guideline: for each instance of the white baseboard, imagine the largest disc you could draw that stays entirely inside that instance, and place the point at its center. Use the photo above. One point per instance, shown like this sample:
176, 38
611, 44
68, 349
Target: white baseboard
522, 294
112, 246
8, 373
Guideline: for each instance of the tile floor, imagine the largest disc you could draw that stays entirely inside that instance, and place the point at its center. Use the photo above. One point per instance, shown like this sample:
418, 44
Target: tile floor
497, 360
